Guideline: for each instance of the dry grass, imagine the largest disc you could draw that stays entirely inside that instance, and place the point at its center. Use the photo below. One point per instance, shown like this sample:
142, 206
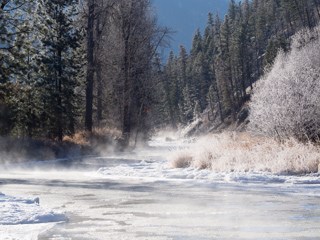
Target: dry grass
243, 153
80, 138
181, 160
99, 141
98, 135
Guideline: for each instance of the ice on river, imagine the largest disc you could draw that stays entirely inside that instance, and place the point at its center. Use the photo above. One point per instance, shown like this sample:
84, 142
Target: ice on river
138, 195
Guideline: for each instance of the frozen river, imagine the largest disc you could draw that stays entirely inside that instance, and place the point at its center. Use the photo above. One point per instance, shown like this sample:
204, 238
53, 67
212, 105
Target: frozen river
138, 196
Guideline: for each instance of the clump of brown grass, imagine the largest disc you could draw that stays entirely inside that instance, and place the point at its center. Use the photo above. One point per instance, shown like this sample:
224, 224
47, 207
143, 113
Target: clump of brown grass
182, 160
242, 153
80, 138
97, 141
85, 138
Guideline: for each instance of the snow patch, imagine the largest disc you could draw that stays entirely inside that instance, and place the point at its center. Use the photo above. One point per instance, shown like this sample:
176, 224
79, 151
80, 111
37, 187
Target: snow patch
15, 210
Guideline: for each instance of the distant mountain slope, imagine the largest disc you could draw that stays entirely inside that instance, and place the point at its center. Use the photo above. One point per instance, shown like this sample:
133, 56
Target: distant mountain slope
185, 16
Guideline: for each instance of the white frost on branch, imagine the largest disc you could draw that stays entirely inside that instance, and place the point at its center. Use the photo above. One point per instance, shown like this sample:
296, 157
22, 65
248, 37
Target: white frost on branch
286, 101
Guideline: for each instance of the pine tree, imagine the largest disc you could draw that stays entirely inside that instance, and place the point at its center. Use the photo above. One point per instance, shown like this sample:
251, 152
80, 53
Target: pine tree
271, 53
225, 67
16, 19
187, 106
58, 64
183, 61
18, 65
196, 45
232, 11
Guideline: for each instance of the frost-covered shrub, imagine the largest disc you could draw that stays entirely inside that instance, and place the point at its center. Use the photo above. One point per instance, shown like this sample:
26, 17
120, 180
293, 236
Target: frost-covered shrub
182, 159
305, 36
286, 101
242, 153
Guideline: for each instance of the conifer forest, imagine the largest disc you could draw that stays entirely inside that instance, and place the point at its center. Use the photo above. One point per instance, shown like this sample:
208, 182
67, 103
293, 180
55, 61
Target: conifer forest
68, 66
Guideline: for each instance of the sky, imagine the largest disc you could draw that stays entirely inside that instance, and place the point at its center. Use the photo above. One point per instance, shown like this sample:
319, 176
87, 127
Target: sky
185, 16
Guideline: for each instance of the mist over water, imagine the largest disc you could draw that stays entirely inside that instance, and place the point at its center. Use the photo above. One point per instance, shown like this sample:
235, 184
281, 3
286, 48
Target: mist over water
138, 195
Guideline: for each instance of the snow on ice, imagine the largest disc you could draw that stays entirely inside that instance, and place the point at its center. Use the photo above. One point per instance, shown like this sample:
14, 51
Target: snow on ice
14, 210
17, 214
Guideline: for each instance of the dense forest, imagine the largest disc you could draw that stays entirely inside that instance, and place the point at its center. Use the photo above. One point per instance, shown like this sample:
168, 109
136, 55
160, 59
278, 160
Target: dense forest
229, 57
67, 66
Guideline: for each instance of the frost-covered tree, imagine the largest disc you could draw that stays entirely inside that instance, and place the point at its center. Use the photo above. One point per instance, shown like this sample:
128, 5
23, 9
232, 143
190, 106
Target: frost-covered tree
286, 101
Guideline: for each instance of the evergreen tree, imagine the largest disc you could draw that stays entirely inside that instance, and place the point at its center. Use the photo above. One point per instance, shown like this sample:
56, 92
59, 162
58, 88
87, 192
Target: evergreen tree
18, 64
232, 10
196, 45
271, 53
183, 62
225, 67
171, 91
58, 64
187, 106
16, 18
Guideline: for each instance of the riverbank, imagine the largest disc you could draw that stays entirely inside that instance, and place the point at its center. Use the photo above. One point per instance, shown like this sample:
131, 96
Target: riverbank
18, 150
240, 152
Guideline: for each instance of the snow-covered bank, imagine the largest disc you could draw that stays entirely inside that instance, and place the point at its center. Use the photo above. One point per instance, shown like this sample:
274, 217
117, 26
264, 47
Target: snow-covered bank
18, 214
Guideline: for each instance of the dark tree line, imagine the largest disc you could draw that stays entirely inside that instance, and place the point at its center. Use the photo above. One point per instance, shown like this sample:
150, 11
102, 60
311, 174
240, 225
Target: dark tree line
229, 57
69, 65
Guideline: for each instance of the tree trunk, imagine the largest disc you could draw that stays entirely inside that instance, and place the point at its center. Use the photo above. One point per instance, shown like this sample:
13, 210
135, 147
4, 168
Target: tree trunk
98, 69
219, 104
126, 121
99, 93
90, 69
59, 96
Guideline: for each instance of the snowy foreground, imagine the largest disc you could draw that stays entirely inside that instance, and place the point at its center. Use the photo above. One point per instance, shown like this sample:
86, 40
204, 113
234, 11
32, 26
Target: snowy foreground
138, 195
23, 212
